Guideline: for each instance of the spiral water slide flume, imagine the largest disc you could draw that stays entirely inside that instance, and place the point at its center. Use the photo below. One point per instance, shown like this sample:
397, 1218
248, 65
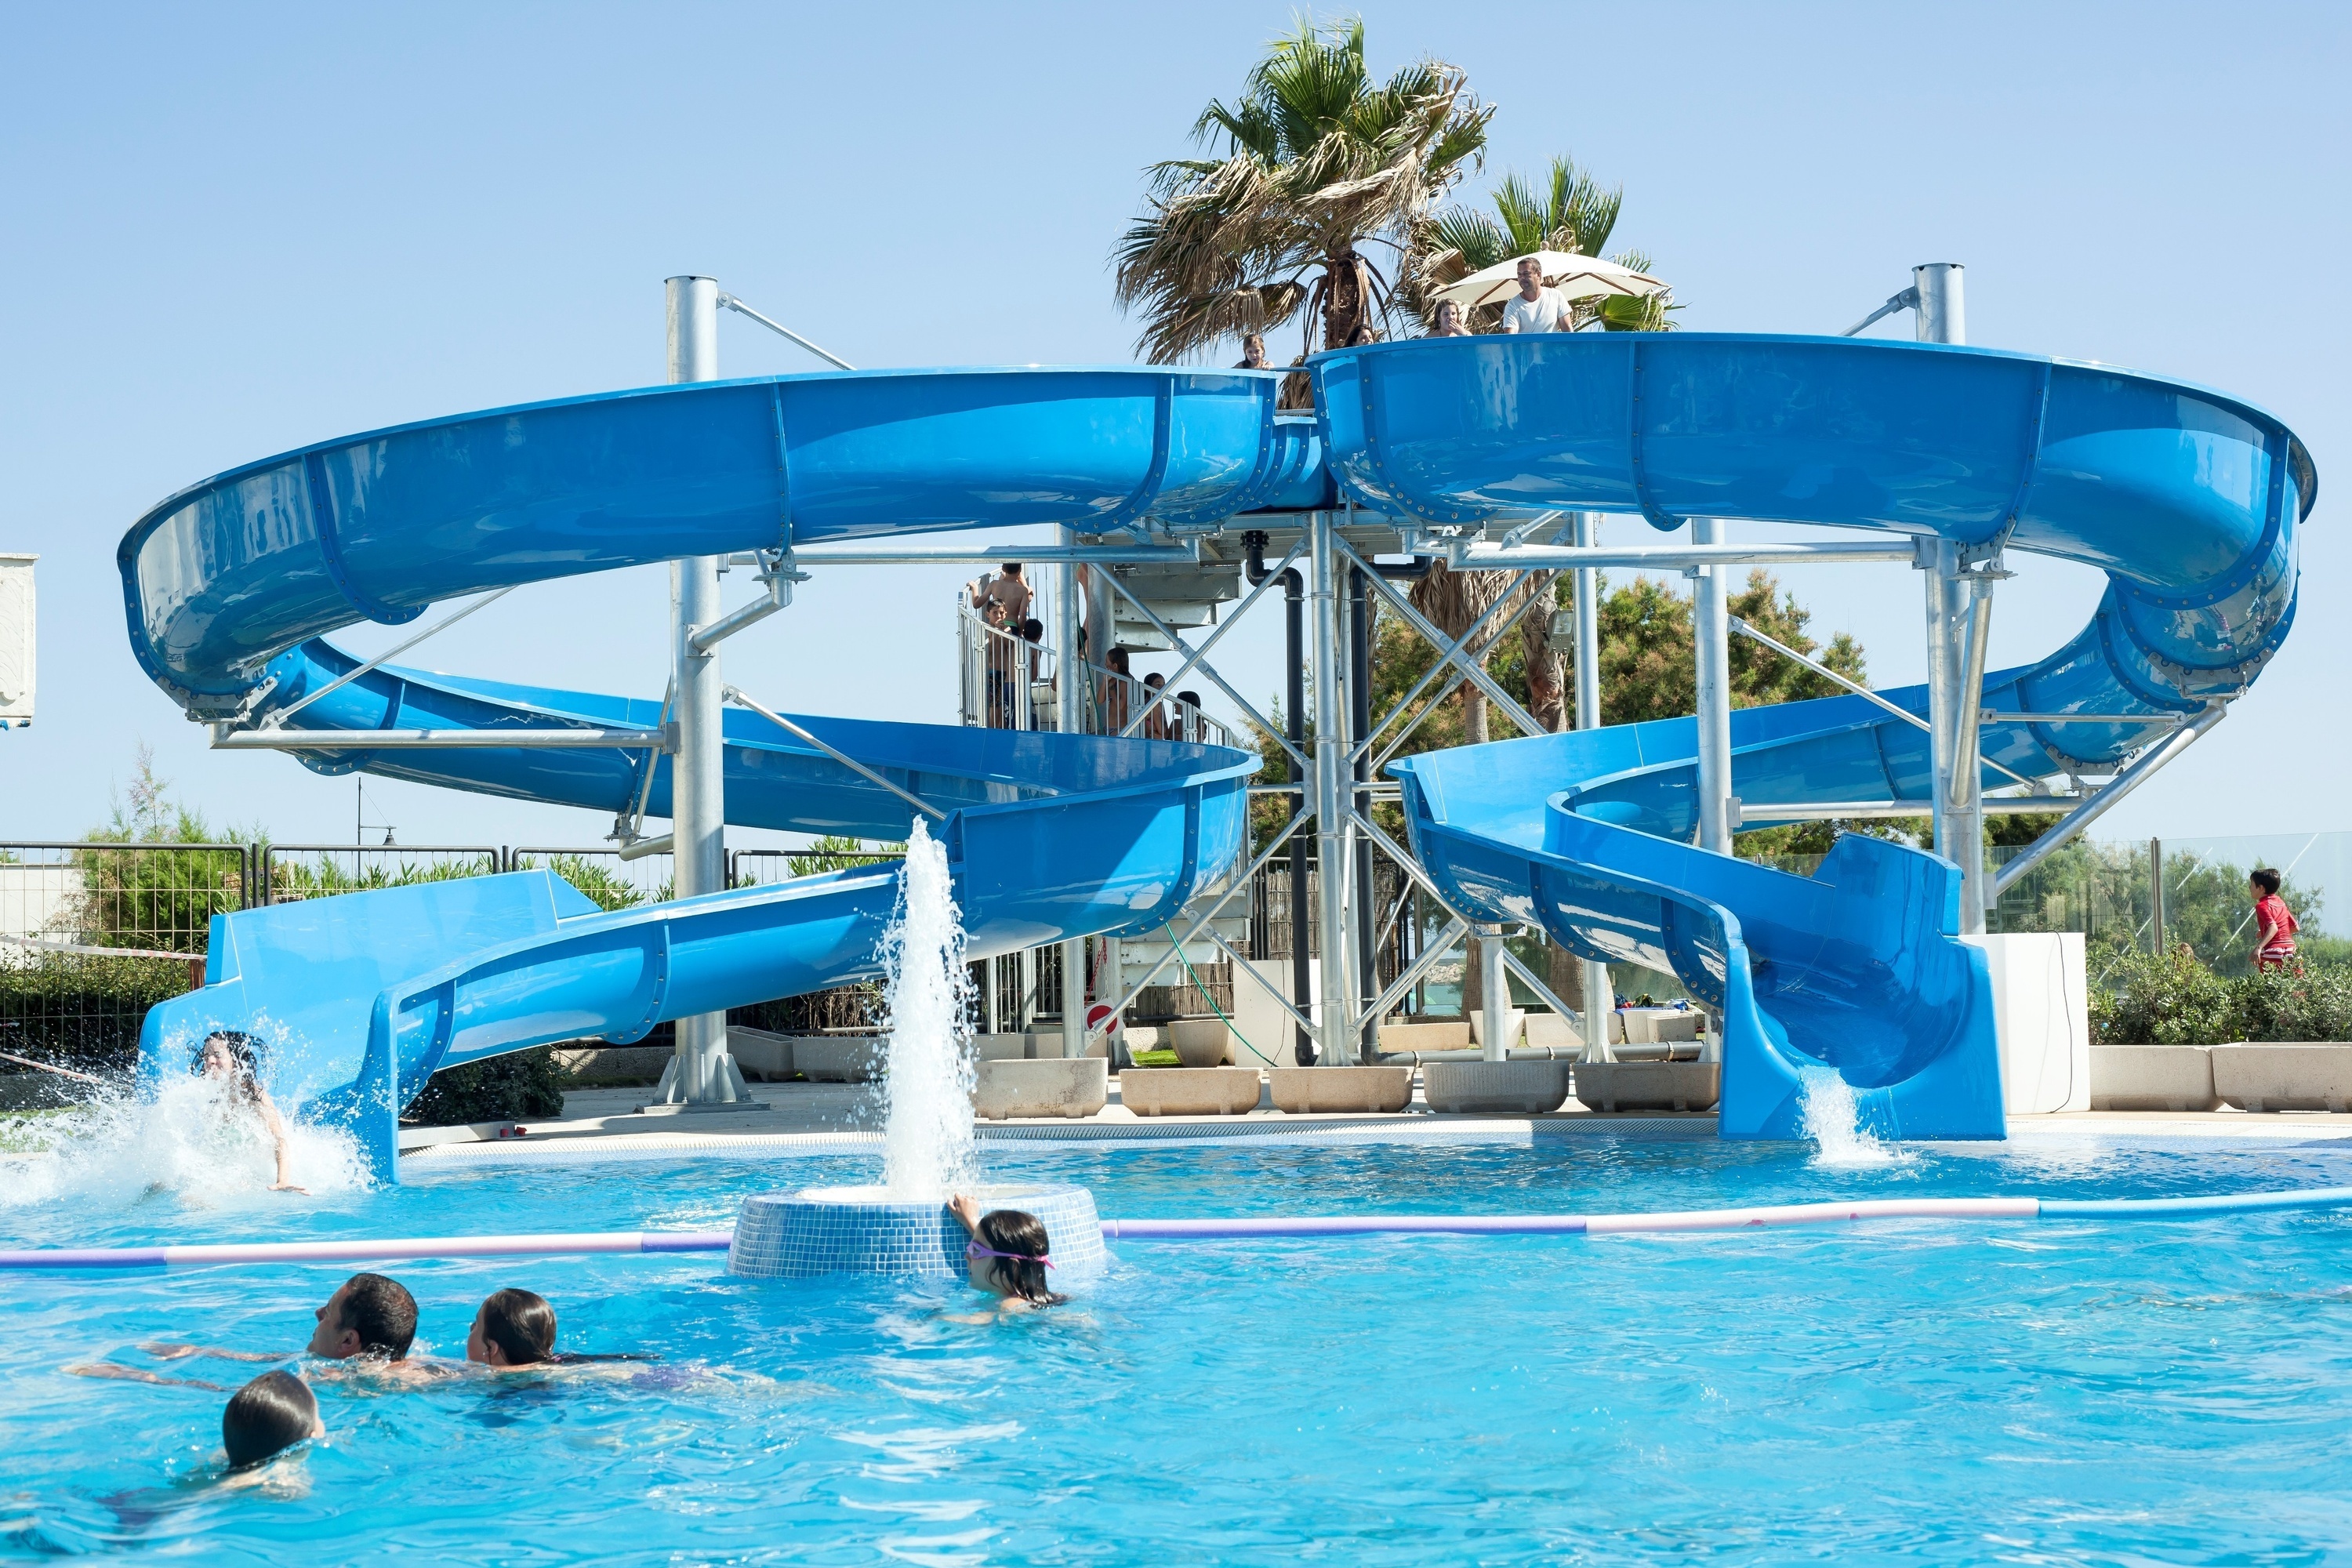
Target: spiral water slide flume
231, 584
2188, 498
2189, 501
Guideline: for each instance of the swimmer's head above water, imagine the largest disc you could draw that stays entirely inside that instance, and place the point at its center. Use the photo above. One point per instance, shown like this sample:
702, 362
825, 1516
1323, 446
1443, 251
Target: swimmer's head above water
227, 1054
513, 1328
1009, 1254
368, 1315
267, 1416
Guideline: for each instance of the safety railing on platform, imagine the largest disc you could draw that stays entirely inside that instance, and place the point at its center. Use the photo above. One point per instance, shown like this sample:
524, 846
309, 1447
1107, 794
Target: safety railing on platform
1008, 682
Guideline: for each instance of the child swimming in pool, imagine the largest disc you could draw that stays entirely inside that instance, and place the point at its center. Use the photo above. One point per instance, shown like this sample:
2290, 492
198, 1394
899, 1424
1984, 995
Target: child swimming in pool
1007, 1256
267, 1416
516, 1329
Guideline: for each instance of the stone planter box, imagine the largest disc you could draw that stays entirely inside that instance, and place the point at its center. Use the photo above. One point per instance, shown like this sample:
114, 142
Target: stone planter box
1513, 1021
1551, 1030
1200, 1042
761, 1056
2283, 1077
1340, 1089
1056, 1086
1649, 1086
1189, 1091
614, 1063
1000, 1048
2152, 1078
1513, 1088
839, 1058
1425, 1037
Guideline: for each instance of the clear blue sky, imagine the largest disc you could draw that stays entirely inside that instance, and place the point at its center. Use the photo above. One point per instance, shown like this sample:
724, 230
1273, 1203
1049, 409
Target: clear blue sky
231, 230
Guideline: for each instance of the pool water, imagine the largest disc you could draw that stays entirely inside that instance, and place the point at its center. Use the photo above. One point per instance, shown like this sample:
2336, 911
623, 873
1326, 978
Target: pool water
2107, 1391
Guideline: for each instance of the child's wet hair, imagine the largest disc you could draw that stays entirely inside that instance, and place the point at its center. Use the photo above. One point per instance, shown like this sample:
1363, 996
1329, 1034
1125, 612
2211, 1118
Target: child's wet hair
1021, 1233
522, 1325
267, 1416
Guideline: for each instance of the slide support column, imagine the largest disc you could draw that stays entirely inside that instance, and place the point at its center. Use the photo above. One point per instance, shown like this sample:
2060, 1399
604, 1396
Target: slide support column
1599, 998
1959, 612
1711, 633
1330, 759
701, 1076
1070, 717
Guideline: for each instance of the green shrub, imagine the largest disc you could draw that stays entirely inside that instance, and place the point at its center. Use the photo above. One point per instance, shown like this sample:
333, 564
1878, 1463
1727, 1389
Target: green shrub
2172, 999
521, 1086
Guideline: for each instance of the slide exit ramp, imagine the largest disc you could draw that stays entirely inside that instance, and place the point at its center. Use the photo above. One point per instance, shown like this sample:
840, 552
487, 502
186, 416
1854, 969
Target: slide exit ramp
2190, 499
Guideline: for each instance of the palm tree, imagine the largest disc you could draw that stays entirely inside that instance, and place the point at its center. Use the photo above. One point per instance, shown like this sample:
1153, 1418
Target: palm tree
1318, 160
1569, 210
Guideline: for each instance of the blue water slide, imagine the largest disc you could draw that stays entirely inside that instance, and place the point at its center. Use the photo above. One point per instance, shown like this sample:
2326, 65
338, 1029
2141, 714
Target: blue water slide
231, 585
2190, 499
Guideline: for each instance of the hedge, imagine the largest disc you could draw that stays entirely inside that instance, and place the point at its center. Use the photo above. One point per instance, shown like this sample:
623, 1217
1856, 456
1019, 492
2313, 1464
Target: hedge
2172, 999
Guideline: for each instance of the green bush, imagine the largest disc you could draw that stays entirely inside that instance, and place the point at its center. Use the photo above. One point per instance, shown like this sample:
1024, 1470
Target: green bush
2172, 999
521, 1086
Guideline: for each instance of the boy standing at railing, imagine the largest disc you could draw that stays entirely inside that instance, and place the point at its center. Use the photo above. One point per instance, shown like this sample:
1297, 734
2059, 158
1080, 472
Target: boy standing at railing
2274, 923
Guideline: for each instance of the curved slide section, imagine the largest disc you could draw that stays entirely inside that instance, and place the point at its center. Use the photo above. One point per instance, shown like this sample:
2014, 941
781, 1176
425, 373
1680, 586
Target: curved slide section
230, 585
2190, 499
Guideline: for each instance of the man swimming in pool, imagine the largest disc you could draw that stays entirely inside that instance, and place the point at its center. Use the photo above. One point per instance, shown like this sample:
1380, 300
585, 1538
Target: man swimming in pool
368, 1323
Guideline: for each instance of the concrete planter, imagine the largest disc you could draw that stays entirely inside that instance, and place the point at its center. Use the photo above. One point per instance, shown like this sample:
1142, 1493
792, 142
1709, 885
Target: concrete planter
1056, 1086
1513, 1021
1338, 1088
839, 1058
2284, 1078
1189, 1091
1425, 1037
1000, 1048
760, 1055
1200, 1042
2152, 1078
1649, 1086
1513, 1088
614, 1063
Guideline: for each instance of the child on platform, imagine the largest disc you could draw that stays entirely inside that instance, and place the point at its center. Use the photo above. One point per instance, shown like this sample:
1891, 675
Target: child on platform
1007, 1256
2274, 923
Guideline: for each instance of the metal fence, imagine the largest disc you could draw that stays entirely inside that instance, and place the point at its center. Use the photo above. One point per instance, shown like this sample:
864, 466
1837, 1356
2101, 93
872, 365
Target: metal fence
91, 935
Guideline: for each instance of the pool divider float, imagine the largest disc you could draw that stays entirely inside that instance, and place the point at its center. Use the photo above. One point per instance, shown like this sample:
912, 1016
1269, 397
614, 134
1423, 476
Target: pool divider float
764, 1213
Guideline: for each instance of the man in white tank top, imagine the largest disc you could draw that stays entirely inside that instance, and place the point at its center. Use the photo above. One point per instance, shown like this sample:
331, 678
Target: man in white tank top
1535, 309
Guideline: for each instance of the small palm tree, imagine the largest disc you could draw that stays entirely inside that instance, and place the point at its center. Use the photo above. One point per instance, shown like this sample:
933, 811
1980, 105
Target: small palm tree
1318, 160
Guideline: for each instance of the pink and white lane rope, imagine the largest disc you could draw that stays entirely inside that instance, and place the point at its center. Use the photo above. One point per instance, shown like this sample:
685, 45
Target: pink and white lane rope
1258, 1228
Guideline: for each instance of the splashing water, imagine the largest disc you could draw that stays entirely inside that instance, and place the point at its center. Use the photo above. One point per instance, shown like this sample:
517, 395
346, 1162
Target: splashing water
927, 1141
191, 1140
1832, 1120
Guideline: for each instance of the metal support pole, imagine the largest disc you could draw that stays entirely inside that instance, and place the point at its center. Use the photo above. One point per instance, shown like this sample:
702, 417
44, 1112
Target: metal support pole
1599, 997
1332, 826
1711, 633
1360, 731
1966, 808
1070, 717
1940, 560
1943, 314
701, 1074
2156, 895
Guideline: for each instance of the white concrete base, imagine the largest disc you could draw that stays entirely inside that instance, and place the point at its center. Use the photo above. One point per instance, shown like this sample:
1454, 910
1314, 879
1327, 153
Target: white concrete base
2041, 999
1305, 1090
761, 1055
1056, 1086
1552, 1030
2260, 1077
1514, 1089
1649, 1086
2152, 1078
1189, 1091
1199, 1042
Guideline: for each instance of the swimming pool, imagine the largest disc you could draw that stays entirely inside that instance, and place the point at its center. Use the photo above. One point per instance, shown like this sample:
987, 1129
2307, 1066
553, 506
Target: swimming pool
2051, 1391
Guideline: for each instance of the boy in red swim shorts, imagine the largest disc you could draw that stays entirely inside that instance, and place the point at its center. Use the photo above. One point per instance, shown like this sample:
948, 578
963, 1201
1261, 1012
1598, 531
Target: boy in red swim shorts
2274, 923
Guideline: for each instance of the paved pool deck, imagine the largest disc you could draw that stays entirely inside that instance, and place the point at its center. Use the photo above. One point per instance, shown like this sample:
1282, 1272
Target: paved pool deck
816, 1119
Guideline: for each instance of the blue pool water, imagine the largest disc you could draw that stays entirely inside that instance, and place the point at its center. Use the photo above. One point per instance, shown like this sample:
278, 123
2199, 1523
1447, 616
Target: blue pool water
2030, 1392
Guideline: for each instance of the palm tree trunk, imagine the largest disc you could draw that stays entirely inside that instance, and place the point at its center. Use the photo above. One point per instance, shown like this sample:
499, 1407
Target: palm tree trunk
1347, 297
1546, 686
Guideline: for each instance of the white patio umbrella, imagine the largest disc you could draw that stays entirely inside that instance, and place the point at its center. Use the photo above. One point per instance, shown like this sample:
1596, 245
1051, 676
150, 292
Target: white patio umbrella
1576, 277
